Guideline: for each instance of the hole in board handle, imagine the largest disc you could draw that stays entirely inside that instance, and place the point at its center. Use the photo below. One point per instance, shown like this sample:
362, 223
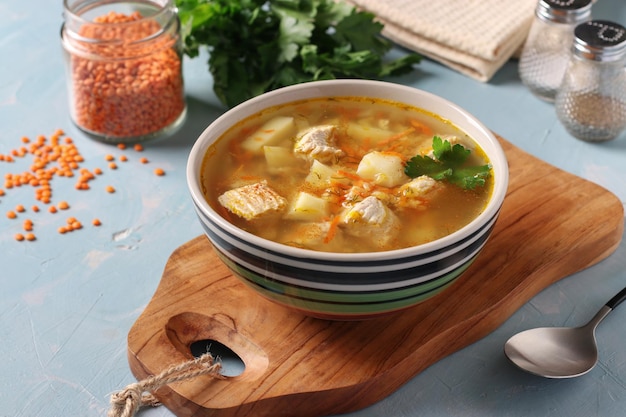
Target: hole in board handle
232, 364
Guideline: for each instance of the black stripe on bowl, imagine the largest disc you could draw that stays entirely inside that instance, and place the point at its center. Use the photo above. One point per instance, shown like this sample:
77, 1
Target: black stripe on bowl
281, 289
359, 275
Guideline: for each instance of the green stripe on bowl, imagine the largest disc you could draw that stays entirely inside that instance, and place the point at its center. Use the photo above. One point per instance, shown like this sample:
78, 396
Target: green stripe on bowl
350, 310
280, 291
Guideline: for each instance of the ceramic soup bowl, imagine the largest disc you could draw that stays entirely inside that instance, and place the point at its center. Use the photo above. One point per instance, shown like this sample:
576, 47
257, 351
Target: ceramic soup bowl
347, 286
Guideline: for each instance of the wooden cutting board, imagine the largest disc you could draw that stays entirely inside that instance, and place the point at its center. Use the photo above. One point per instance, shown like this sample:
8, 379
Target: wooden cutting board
552, 225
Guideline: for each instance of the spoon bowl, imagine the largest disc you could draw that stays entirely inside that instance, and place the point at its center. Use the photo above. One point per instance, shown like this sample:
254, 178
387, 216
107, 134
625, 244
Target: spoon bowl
559, 352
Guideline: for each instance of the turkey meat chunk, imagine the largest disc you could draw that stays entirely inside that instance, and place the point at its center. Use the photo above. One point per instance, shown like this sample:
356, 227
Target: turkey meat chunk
252, 201
371, 219
316, 143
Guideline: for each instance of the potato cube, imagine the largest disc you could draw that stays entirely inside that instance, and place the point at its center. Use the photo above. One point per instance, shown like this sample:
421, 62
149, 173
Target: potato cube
270, 133
307, 207
382, 169
362, 133
279, 158
320, 175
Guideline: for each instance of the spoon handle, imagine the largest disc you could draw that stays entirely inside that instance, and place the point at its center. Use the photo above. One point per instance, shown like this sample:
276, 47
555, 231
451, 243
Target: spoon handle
617, 299
606, 309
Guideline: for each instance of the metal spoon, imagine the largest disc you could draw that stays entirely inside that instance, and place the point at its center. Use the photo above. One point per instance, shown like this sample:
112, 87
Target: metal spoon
559, 352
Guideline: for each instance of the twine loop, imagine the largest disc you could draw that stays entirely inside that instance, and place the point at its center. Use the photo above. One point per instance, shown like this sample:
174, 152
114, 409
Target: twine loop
127, 402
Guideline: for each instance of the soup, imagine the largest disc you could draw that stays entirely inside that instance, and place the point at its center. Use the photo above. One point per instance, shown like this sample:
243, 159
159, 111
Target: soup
347, 174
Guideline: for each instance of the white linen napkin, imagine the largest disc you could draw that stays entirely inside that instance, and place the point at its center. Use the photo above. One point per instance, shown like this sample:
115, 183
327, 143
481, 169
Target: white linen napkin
474, 37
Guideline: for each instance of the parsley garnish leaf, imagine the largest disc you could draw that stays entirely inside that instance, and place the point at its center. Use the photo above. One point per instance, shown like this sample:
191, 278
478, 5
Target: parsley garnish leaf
448, 165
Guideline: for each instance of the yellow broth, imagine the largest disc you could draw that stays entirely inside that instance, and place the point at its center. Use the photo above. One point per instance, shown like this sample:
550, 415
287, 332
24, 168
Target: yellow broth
361, 125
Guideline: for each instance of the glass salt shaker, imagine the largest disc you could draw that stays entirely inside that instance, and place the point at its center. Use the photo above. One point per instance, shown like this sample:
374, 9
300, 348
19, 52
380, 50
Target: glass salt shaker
124, 68
546, 51
591, 102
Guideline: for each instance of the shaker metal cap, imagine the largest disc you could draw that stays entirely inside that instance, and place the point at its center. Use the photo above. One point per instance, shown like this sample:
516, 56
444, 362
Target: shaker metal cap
564, 11
600, 40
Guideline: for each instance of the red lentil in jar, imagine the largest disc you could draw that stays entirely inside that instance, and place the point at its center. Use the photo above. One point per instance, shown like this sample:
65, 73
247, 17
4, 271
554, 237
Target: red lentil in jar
124, 63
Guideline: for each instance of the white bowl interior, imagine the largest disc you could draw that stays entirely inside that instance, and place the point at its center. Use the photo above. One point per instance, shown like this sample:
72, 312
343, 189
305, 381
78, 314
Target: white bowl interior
408, 95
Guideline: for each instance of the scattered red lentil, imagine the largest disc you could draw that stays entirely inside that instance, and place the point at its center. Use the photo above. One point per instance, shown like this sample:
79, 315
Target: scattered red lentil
121, 146
53, 157
109, 157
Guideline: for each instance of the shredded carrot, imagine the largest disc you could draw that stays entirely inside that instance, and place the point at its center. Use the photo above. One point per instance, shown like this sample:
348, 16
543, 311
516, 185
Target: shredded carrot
392, 153
341, 185
349, 175
425, 129
332, 229
396, 136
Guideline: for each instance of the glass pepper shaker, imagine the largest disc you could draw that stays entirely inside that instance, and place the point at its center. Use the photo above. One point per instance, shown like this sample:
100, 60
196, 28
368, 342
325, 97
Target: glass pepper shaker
124, 68
591, 102
546, 51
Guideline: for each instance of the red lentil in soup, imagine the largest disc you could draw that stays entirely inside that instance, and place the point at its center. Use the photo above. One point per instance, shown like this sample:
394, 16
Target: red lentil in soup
329, 174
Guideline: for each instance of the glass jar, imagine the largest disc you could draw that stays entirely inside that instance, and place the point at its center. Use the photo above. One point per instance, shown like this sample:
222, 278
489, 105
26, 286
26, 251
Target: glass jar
546, 51
591, 102
124, 68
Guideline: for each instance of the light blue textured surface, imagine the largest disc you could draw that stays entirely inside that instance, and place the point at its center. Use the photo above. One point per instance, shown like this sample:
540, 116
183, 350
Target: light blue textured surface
68, 301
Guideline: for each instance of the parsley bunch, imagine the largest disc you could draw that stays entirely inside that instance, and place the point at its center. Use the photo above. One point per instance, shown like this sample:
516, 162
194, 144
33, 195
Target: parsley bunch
448, 165
260, 45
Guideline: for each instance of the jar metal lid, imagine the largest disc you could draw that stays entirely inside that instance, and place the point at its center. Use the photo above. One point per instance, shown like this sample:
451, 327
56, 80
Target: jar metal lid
600, 40
564, 11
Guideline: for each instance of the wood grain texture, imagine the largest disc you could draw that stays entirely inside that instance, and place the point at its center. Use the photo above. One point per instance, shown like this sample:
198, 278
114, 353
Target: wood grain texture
552, 224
